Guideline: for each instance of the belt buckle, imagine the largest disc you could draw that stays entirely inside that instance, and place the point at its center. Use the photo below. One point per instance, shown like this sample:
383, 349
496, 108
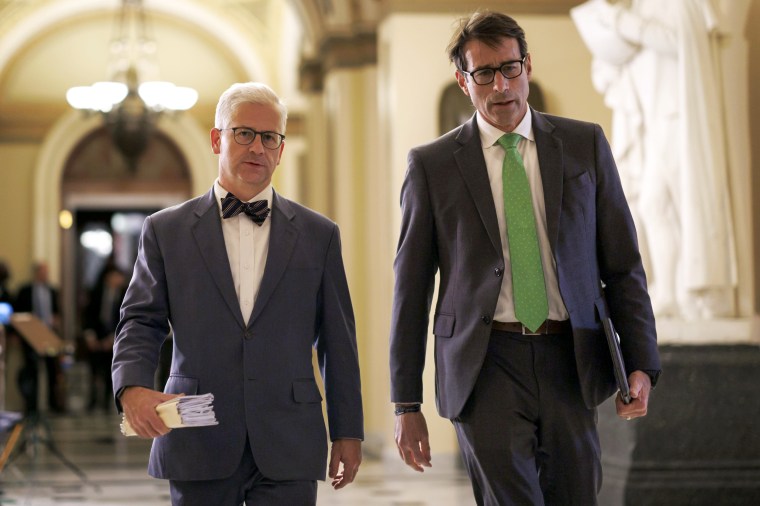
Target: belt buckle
527, 332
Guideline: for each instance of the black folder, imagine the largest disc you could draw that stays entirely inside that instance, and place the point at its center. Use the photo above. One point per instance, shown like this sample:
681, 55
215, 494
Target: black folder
621, 377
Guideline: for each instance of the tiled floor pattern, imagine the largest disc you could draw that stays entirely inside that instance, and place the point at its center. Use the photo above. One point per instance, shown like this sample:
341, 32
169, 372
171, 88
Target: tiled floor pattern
115, 468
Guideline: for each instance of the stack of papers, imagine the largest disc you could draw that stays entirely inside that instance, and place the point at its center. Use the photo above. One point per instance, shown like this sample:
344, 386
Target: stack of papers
180, 412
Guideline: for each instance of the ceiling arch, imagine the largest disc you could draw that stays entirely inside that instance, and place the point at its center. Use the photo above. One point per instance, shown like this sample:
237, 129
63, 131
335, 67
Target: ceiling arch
41, 18
48, 46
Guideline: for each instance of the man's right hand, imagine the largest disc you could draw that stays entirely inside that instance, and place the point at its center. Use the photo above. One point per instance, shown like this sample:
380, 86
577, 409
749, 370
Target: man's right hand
139, 404
412, 440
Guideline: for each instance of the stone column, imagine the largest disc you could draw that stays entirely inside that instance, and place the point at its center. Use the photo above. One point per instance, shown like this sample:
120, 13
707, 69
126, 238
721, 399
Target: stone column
347, 182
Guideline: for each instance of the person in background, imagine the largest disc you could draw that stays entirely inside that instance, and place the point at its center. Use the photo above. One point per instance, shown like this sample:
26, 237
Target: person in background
101, 318
7, 301
249, 283
523, 217
5, 275
40, 298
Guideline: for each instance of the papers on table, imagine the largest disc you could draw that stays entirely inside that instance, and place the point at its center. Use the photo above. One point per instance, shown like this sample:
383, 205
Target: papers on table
180, 412
8, 419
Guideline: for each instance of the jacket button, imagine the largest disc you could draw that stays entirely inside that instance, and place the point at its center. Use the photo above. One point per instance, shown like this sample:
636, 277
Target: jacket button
486, 319
498, 272
248, 335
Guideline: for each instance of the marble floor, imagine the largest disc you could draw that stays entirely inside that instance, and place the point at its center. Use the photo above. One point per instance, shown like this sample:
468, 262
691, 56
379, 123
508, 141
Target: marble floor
113, 471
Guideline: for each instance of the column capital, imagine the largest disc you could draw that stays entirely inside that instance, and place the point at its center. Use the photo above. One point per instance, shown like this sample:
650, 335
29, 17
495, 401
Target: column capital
337, 51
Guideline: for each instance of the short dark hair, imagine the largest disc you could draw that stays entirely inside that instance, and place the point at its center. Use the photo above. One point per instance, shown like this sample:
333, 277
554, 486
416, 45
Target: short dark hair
487, 27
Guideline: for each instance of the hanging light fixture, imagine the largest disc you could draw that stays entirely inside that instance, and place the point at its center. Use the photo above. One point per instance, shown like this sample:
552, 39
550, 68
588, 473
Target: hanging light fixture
131, 106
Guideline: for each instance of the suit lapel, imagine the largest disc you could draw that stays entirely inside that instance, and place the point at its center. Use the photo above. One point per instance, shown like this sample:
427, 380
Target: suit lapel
472, 165
282, 240
550, 159
209, 238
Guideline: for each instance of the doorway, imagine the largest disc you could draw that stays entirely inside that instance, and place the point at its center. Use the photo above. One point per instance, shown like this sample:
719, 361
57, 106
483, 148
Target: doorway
107, 201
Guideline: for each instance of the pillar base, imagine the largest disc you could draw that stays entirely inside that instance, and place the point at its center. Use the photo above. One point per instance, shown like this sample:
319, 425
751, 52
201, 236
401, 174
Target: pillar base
700, 442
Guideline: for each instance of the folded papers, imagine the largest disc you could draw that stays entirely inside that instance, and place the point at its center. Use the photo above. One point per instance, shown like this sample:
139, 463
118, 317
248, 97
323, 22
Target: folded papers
181, 412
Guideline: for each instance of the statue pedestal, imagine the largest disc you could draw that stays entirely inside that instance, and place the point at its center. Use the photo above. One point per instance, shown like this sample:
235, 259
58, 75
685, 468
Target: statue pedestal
701, 332
700, 442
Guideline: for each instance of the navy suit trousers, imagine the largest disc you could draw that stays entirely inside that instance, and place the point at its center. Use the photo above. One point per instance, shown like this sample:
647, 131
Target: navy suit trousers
525, 434
246, 486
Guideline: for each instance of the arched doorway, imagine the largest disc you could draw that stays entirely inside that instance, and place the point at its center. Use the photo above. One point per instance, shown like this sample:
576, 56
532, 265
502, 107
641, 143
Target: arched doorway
105, 201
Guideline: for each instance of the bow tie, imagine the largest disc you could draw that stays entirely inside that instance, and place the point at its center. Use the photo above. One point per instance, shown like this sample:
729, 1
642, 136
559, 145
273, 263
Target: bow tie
257, 211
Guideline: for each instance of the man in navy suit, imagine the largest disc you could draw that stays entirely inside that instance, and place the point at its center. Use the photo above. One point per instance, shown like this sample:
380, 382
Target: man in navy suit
248, 282
521, 393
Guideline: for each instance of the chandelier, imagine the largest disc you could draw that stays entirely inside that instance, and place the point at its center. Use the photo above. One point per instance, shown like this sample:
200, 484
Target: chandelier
131, 106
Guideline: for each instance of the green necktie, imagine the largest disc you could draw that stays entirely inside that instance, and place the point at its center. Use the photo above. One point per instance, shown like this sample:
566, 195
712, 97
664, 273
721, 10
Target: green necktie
529, 290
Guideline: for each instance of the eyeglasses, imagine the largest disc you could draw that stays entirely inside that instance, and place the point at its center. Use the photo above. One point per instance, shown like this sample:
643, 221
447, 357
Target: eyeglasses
510, 70
245, 136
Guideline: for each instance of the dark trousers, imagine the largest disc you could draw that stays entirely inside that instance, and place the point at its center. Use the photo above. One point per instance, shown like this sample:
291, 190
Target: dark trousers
525, 435
246, 486
28, 380
101, 384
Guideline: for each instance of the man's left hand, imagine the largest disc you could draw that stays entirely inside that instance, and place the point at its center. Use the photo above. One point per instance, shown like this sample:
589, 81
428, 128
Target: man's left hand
349, 453
640, 385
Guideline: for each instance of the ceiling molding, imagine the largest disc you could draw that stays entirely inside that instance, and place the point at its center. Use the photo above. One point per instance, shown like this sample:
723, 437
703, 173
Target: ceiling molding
29, 122
337, 51
466, 6
351, 40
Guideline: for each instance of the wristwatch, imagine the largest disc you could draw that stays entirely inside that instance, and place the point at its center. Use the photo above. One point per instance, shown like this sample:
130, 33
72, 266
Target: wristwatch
402, 409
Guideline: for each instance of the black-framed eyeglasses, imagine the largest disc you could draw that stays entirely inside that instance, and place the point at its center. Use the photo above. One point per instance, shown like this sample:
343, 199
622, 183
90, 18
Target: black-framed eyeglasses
245, 136
510, 70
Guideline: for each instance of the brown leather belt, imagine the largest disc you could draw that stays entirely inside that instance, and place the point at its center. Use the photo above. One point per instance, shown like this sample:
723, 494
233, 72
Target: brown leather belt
548, 327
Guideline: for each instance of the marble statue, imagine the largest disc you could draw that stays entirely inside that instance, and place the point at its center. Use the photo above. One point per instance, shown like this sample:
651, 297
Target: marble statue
658, 65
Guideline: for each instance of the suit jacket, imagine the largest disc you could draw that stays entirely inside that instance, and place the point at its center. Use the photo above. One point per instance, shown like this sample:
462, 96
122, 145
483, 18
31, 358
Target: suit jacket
24, 302
261, 374
449, 225
93, 317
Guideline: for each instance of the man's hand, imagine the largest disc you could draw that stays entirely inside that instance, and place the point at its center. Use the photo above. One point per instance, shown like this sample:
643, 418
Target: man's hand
139, 406
412, 440
640, 385
348, 452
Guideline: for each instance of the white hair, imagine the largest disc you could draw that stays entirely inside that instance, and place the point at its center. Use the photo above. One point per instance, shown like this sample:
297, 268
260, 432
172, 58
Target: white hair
248, 93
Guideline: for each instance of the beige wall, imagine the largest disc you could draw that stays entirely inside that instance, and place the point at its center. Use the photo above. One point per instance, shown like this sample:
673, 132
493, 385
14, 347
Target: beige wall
16, 180
753, 36
564, 75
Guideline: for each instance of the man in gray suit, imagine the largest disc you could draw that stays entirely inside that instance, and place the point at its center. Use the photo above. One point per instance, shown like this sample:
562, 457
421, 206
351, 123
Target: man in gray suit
247, 294
534, 246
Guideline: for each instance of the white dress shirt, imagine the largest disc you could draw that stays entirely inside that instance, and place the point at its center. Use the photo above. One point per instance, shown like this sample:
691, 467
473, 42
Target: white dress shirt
247, 247
494, 155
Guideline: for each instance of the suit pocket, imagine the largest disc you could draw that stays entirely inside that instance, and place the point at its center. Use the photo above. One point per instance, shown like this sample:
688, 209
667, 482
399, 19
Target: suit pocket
578, 201
581, 180
306, 390
181, 385
443, 326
